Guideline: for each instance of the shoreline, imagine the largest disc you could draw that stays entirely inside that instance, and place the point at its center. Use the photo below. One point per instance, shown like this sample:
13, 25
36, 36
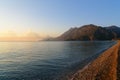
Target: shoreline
104, 67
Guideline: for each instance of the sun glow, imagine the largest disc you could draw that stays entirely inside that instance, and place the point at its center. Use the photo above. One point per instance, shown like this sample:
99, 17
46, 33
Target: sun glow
26, 36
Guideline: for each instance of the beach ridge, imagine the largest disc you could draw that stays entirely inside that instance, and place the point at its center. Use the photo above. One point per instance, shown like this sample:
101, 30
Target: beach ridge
104, 67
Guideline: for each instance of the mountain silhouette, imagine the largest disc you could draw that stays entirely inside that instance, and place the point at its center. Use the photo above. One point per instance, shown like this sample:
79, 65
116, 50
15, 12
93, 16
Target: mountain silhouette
90, 32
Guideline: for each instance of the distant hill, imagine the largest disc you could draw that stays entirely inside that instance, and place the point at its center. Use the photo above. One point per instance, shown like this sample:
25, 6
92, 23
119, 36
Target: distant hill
90, 32
115, 30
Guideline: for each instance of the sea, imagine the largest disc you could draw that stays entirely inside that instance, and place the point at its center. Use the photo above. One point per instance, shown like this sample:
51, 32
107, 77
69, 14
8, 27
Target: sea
47, 60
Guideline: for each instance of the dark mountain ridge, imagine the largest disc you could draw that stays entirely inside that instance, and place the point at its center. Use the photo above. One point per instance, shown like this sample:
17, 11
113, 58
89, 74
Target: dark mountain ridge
115, 30
90, 32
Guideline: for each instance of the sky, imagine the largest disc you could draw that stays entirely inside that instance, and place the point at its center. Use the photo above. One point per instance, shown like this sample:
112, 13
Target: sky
37, 19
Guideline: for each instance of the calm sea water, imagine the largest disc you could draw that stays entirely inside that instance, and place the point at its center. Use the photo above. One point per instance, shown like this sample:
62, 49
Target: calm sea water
45, 60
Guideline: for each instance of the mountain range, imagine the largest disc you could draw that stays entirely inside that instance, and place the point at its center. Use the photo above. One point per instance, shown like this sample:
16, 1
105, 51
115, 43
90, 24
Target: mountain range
89, 32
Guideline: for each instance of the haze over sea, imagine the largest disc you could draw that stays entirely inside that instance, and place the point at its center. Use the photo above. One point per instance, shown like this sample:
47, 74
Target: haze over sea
45, 60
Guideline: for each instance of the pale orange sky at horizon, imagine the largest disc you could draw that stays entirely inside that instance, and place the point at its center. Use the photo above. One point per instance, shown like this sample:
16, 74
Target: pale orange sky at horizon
25, 36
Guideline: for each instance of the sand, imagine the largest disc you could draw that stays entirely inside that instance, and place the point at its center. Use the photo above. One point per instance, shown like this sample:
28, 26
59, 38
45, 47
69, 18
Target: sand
105, 67
118, 65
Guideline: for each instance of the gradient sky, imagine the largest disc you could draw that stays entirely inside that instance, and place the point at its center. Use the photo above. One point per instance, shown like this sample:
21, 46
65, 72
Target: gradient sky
53, 17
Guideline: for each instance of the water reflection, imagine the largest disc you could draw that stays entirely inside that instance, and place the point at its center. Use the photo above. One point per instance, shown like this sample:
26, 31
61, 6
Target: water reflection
44, 60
